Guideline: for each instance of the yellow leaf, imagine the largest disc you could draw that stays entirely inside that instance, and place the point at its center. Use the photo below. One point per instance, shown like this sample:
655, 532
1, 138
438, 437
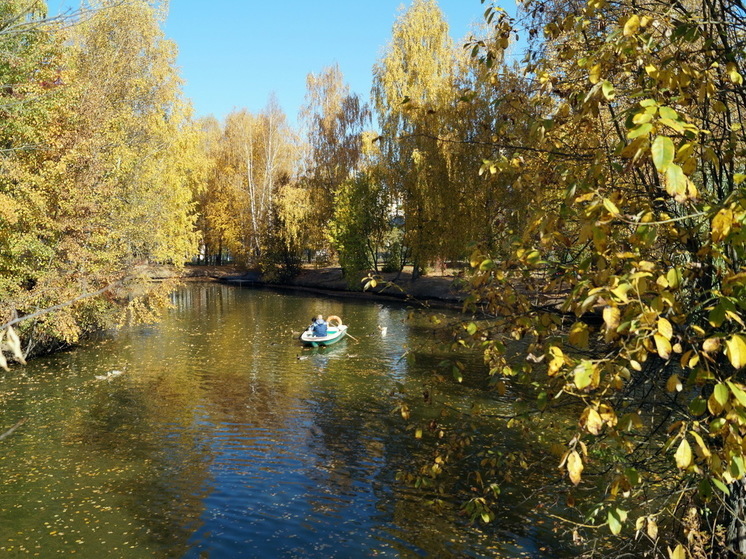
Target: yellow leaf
578, 335
733, 74
595, 74
664, 328
612, 316
683, 455
557, 362
674, 384
662, 346
632, 26
15, 346
574, 466
678, 553
652, 529
591, 420
620, 292
701, 444
721, 224
735, 349
611, 207
676, 181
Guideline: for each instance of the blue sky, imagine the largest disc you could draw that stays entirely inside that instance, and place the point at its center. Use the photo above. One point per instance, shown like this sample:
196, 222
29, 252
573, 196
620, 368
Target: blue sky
234, 53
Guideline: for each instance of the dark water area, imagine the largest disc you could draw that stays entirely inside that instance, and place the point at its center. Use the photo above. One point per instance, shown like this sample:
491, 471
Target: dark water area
223, 437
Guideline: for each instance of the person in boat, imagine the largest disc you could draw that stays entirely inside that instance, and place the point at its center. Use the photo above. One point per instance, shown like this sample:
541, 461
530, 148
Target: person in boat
319, 327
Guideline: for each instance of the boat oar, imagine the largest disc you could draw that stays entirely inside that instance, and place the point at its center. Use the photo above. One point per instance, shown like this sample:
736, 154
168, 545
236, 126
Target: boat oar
353, 337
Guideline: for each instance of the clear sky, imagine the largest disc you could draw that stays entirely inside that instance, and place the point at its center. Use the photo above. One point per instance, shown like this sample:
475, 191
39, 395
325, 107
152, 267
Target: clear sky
234, 53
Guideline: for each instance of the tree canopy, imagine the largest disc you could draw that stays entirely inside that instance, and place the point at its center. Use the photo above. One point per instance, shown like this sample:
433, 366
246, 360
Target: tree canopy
97, 152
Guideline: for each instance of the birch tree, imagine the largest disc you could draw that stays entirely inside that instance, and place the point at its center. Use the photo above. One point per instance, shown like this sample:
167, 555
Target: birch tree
335, 120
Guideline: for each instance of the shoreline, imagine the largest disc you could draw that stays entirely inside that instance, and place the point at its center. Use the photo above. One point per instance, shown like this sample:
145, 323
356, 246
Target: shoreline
425, 291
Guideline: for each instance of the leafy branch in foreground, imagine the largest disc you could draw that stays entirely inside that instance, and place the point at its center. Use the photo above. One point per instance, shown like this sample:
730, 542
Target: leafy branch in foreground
644, 327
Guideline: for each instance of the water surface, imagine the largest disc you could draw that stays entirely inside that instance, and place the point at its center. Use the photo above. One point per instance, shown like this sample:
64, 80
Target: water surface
223, 437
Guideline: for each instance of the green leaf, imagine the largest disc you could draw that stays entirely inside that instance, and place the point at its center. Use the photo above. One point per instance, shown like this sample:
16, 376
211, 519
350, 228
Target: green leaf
663, 152
583, 374
720, 485
608, 90
721, 394
698, 406
737, 392
668, 112
737, 467
637, 131
616, 518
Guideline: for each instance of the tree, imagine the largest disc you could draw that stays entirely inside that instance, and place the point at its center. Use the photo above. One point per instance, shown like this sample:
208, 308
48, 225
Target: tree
412, 84
627, 285
335, 120
99, 163
252, 158
360, 224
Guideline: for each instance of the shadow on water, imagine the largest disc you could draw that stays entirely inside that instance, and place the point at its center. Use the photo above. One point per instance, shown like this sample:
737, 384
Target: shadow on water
224, 437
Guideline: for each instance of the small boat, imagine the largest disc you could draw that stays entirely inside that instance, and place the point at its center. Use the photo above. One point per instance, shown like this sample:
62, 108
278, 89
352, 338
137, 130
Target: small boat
334, 333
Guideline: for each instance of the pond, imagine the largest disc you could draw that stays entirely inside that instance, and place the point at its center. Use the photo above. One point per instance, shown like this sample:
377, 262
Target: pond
223, 437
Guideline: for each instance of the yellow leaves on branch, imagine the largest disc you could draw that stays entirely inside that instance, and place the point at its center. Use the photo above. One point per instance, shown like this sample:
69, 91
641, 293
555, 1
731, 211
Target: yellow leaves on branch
612, 319
579, 335
722, 224
574, 466
591, 420
735, 350
632, 26
683, 455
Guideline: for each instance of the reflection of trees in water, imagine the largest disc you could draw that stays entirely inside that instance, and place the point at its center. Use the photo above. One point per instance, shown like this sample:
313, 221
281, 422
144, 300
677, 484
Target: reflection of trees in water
223, 388
164, 461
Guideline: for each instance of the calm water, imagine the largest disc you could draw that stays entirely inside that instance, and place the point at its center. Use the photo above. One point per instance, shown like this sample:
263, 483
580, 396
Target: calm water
224, 438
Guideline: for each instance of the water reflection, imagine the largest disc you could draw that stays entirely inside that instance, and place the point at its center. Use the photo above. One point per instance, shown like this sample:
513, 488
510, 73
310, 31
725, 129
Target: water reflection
225, 438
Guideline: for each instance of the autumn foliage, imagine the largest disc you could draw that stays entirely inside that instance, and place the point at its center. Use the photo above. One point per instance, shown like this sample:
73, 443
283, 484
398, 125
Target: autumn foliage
97, 149
596, 190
